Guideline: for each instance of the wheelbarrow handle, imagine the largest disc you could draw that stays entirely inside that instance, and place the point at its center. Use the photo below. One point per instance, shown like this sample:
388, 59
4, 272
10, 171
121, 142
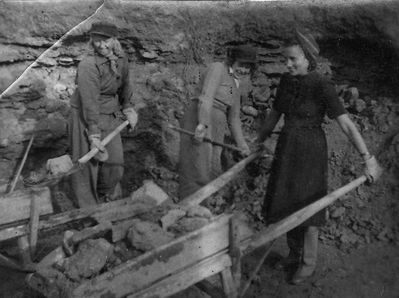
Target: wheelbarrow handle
89, 155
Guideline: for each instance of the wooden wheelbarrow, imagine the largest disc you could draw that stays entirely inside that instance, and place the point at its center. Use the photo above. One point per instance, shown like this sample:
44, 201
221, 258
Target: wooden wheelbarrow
190, 259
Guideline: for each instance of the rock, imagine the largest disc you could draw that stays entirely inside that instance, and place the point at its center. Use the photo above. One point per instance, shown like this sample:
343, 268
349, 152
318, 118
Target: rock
150, 191
262, 95
172, 217
9, 54
189, 224
149, 55
45, 61
341, 89
89, 259
198, 211
145, 235
360, 105
350, 95
338, 212
250, 110
66, 61
273, 69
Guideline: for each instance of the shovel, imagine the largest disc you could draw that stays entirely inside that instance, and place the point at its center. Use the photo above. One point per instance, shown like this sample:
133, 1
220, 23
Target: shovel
208, 140
51, 179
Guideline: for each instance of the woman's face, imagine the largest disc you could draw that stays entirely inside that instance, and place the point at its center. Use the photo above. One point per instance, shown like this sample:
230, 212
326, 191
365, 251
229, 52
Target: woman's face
240, 69
102, 44
296, 61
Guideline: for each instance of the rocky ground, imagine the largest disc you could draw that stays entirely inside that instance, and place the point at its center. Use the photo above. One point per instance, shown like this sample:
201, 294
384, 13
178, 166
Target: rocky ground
168, 45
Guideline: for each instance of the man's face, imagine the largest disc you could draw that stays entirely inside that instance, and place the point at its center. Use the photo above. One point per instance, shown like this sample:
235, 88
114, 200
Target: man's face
296, 61
102, 44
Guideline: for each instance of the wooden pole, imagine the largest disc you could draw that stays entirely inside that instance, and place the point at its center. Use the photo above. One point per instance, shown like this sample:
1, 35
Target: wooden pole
281, 227
33, 225
14, 182
258, 266
206, 139
89, 155
215, 185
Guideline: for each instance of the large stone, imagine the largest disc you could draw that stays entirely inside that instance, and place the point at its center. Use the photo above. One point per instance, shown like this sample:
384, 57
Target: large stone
172, 217
189, 224
198, 211
150, 191
145, 235
90, 258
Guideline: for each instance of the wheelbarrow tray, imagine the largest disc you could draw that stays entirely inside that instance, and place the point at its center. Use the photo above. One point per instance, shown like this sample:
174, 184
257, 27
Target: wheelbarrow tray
160, 272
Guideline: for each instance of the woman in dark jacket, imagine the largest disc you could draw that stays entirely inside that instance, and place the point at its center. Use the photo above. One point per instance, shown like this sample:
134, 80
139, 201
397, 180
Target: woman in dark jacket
299, 171
212, 114
103, 93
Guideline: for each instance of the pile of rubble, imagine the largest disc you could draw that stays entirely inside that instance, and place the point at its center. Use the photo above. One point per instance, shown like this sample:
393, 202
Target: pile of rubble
120, 235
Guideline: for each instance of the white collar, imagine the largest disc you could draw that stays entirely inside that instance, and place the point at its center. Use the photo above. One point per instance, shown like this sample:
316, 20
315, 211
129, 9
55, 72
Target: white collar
231, 72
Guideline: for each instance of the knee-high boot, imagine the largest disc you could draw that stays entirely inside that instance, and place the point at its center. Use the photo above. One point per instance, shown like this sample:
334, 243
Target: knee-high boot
309, 255
295, 244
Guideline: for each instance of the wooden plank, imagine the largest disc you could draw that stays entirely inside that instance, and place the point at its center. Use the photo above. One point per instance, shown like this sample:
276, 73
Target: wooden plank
215, 185
185, 278
229, 287
9, 263
281, 227
165, 260
34, 224
71, 216
16, 205
234, 250
24, 251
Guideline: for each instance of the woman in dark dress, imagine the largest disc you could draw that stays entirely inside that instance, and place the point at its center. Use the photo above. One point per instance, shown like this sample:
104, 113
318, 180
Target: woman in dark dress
299, 171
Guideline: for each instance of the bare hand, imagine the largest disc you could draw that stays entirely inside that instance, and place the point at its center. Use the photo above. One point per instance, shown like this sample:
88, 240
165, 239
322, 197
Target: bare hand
373, 170
131, 116
200, 132
95, 143
245, 149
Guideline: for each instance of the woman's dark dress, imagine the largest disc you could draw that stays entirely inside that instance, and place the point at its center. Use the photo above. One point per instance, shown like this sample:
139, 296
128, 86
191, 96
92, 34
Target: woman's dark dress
299, 171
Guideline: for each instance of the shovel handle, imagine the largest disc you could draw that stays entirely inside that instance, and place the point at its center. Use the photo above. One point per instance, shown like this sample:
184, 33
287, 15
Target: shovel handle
206, 139
89, 155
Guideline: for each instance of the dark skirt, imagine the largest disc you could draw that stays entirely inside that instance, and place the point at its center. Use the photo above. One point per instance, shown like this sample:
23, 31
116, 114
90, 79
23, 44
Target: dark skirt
298, 174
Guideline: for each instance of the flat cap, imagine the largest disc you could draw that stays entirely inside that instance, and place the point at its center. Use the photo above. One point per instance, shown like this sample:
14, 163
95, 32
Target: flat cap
243, 53
104, 28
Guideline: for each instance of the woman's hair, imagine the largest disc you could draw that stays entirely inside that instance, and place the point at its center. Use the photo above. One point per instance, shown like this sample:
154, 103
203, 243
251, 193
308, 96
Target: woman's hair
313, 60
117, 52
307, 43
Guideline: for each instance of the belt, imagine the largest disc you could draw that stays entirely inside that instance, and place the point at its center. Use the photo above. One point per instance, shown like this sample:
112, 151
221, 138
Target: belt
303, 124
217, 104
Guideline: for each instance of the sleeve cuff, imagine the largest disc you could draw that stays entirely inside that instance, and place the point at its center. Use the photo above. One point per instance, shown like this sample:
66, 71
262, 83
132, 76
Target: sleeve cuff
93, 130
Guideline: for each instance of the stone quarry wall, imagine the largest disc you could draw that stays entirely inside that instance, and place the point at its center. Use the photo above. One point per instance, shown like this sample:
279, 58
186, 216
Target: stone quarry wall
168, 44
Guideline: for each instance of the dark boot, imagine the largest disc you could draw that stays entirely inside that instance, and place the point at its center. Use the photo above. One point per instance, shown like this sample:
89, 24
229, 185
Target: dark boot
295, 244
309, 256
